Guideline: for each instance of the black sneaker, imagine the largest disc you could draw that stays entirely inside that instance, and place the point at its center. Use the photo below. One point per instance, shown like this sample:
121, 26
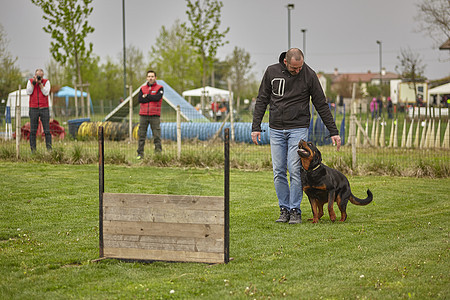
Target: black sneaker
295, 216
284, 216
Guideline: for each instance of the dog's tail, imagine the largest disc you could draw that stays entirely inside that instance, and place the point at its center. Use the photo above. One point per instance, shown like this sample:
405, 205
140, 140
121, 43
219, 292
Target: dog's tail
357, 201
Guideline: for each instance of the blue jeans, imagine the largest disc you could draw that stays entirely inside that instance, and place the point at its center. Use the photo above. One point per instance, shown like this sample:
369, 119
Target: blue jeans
284, 146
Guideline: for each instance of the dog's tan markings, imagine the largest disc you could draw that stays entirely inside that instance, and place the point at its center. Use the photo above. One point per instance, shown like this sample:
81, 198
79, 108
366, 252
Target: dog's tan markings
330, 207
321, 187
320, 212
314, 208
305, 163
343, 213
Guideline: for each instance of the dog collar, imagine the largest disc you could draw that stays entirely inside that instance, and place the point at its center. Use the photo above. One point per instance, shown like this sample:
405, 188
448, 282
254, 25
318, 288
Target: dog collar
312, 169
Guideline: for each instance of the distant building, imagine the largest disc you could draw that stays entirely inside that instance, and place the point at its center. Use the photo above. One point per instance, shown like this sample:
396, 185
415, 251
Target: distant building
402, 92
445, 46
323, 81
362, 79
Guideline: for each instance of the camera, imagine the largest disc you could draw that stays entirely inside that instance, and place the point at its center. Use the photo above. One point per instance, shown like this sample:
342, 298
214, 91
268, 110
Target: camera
39, 77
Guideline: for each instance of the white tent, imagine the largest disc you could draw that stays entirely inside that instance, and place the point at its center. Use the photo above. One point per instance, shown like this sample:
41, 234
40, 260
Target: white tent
208, 91
439, 91
24, 102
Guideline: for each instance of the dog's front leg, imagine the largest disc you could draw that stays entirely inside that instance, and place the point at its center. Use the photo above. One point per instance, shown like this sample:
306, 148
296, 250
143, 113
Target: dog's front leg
331, 212
314, 207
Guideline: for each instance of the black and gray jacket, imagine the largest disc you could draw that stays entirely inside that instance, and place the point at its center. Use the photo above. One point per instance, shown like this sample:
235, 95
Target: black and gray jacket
288, 96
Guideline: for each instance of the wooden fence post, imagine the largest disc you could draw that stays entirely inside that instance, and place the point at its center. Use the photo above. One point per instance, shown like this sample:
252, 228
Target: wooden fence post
18, 122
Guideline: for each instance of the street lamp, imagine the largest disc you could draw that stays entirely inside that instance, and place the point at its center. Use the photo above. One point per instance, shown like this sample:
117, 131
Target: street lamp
381, 68
304, 41
290, 7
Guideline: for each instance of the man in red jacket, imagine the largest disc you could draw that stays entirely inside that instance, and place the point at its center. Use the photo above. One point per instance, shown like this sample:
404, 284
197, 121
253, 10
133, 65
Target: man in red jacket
150, 99
38, 88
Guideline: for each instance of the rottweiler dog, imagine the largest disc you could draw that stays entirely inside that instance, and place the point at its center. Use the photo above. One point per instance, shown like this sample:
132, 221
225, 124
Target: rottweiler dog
323, 184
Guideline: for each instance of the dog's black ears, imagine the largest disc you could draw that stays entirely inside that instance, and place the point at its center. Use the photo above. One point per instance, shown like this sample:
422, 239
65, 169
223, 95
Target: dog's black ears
318, 156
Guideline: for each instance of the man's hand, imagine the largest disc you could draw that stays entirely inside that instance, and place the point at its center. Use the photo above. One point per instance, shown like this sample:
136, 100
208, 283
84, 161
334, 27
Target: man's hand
336, 139
256, 136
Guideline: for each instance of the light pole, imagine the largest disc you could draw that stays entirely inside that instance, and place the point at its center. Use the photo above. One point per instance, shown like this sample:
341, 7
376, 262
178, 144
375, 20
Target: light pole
381, 64
290, 7
304, 41
124, 53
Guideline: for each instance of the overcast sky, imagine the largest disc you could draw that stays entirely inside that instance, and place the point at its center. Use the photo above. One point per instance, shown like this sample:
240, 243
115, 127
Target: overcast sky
340, 33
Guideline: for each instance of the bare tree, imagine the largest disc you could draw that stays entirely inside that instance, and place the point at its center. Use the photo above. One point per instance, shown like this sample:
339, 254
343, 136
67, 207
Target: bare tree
434, 18
411, 67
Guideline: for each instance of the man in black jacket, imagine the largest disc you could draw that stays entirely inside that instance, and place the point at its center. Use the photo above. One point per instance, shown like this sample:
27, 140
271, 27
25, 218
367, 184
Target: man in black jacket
287, 87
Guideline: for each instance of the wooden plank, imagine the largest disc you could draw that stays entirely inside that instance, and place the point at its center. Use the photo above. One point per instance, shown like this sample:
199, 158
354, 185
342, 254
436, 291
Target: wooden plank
164, 243
164, 255
163, 229
201, 246
169, 202
159, 215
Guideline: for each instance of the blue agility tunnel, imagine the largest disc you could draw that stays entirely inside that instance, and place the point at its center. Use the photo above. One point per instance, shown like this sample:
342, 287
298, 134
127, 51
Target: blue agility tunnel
205, 131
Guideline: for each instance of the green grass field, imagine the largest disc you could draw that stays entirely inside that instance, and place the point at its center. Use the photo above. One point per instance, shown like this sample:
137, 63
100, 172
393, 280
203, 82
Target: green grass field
395, 248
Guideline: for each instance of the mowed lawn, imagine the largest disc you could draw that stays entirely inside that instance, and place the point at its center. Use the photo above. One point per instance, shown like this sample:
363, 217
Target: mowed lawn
395, 248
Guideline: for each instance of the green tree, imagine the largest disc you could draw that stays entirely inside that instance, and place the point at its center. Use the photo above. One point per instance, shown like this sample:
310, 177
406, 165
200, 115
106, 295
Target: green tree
220, 73
174, 59
56, 73
10, 76
91, 70
203, 32
135, 66
240, 68
110, 81
68, 27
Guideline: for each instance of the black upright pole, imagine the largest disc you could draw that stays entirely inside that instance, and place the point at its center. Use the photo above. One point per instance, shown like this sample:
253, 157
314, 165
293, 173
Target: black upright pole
227, 195
124, 53
101, 189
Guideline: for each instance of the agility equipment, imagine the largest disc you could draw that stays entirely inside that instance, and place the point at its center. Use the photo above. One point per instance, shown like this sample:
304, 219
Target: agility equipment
177, 228
188, 112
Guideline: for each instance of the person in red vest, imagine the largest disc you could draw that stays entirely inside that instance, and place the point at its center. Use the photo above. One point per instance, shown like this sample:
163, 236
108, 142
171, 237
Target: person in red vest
38, 88
150, 100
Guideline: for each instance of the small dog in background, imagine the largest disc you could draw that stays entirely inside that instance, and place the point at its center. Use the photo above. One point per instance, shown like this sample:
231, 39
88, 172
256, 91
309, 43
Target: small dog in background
323, 184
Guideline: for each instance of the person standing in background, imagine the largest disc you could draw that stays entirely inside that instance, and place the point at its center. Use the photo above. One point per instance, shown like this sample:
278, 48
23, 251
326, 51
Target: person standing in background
374, 107
38, 88
150, 101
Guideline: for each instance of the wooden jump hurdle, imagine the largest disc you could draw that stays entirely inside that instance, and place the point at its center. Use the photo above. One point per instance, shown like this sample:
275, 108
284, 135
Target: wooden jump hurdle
180, 228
